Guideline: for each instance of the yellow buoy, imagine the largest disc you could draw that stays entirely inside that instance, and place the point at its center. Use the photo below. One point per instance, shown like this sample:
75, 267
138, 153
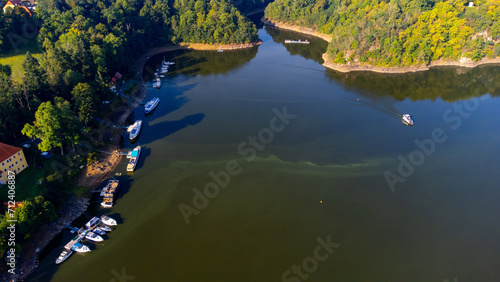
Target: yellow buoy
321, 202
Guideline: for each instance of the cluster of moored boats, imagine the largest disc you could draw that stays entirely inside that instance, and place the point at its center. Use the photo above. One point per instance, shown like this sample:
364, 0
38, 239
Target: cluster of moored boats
134, 131
160, 72
92, 231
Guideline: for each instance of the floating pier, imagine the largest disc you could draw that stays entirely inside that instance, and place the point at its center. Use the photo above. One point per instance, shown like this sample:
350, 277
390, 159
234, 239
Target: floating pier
297, 41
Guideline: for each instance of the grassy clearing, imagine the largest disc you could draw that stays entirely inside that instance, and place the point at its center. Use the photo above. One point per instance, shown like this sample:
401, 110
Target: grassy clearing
16, 58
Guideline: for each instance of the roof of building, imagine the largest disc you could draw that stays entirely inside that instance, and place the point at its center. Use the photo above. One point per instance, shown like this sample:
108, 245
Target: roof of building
6, 151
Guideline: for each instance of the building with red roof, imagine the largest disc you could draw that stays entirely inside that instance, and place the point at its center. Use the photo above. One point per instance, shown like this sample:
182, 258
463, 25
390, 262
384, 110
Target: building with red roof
11, 159
28, 5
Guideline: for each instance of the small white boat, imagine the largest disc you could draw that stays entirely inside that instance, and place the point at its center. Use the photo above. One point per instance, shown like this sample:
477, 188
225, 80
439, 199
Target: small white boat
105, 228
63, 256
108, 220
80, 248
134, 159
136, 129
99, 231
93, 237
220, 50
407, 120
151, 105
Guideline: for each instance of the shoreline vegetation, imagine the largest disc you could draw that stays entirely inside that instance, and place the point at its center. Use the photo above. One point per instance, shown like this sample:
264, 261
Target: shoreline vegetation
94, 175
353, 67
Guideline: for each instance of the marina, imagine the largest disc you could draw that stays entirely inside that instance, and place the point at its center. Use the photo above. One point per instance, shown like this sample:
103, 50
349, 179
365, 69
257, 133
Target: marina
92, 231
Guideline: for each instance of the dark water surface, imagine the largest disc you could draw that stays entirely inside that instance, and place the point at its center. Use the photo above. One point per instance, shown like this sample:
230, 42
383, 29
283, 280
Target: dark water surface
315, 174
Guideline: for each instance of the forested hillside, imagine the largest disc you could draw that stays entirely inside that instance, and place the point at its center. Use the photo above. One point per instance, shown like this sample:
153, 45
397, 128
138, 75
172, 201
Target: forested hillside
398, 32
85, 42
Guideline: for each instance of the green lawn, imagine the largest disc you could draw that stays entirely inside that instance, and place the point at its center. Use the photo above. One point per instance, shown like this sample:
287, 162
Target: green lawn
16, 59
26, 180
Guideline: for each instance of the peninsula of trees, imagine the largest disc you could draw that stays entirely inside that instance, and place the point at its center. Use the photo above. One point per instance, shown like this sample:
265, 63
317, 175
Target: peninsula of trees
398, 33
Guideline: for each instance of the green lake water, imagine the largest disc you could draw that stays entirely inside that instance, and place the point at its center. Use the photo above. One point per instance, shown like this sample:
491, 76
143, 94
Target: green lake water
314, 176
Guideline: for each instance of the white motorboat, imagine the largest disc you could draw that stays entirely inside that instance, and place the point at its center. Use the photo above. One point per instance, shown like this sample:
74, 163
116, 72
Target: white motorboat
407, 120
134, 159
220, 50
63, 256
151, 105
80, 248
135, 130
108, 220
99, 231
93, 237
105, 228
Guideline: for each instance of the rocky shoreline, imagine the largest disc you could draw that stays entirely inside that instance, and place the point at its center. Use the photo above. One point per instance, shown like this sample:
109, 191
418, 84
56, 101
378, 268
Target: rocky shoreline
91, 177
345, 68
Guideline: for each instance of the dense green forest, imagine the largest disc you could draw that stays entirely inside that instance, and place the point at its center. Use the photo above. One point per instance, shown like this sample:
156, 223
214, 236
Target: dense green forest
83, 43
398, 32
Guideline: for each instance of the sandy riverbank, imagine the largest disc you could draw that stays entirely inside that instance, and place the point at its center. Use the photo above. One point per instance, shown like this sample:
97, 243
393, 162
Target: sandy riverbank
304, 30
344, 68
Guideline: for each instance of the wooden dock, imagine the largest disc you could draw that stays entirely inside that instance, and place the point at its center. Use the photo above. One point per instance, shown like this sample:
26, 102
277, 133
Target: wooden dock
297, 41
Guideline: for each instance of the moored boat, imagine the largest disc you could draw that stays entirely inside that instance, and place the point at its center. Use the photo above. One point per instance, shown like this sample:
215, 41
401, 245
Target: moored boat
93, 237
99, 231
110, 195
407, 120
108, 220
151, 105
105, 228
136, 129
63, 256
80, 248
134, 159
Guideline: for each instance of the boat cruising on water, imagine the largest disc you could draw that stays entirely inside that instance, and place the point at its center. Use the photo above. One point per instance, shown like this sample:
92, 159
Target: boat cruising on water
407, 120
93, 237
111, 192
134, 159
80, 248
63, 256
108, 220
220, 50
297, 41
135, 129
151, 105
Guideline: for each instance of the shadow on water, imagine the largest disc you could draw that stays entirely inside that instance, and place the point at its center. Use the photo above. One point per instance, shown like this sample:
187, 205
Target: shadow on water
203, 63
449, 84
313, 51
170, 127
